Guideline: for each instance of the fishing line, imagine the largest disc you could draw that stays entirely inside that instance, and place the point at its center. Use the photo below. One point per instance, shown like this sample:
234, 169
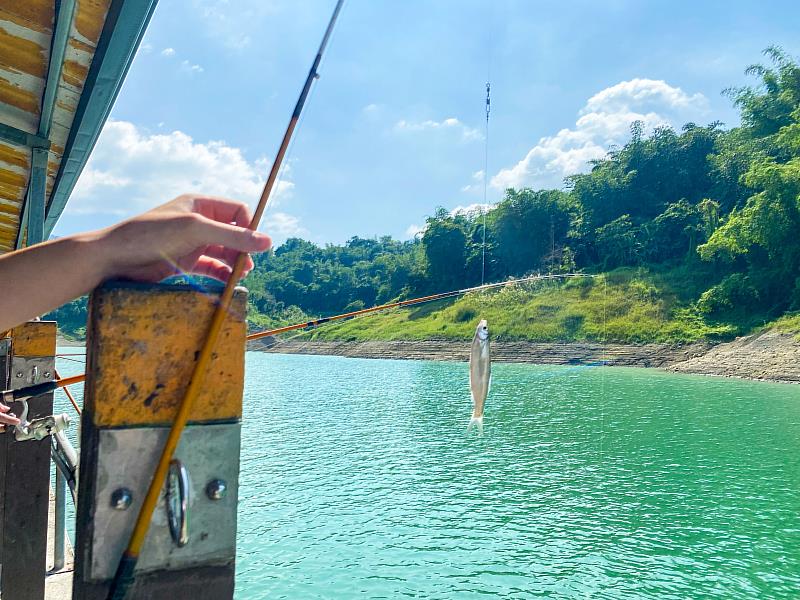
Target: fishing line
75, 360
484, 208
603, 355
308, 326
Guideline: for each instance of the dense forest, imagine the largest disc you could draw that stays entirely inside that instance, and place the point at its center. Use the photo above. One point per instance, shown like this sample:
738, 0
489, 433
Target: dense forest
713, 211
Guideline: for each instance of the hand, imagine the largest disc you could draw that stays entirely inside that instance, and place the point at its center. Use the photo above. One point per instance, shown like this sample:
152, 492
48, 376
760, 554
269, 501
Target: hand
7, 418
191, 234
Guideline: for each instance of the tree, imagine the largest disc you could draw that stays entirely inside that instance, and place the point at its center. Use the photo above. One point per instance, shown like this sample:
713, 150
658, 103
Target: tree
445, 244
528, 226
619, 243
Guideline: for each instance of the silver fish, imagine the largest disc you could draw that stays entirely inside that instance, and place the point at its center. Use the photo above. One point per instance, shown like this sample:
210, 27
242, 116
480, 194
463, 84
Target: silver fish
480, 369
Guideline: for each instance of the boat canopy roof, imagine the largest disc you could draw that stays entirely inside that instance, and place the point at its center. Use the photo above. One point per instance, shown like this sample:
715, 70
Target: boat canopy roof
62, 63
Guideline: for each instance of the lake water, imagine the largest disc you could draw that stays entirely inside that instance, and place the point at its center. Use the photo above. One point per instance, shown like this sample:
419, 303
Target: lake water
359, 478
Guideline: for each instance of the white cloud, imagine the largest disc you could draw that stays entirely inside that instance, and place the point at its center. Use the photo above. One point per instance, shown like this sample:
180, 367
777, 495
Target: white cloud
641, 92
470, 210
476, 208
450, 123
131, 170
281, 225
190, 68
233, 23
146, 48
604, 121
168, 52
477, 183
414, 230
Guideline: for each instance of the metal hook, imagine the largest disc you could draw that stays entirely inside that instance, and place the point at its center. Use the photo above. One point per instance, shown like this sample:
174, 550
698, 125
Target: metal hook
22, 431
177, 501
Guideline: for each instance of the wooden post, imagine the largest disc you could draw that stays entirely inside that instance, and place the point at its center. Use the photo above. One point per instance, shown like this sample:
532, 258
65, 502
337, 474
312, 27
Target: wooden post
142, 341
25, 467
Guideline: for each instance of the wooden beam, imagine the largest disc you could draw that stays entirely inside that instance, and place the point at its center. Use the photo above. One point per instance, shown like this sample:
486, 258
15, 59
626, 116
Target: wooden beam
25, 469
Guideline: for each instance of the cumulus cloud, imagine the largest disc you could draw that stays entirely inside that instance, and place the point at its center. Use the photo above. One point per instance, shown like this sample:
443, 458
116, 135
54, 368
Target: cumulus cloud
448, 124
131, 170
168, 52
604, 121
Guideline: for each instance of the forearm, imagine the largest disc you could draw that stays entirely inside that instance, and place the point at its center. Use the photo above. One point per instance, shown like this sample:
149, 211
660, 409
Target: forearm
41, 278
191, 234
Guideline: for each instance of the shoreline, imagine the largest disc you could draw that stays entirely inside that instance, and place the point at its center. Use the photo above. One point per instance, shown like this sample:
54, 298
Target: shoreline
769, 356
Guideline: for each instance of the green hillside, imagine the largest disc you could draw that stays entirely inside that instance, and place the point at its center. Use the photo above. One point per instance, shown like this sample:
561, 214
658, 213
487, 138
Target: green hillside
625, 305
695, 233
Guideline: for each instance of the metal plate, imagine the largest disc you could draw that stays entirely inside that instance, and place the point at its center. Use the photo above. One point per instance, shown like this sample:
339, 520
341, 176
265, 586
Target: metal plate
30, 371
127, 458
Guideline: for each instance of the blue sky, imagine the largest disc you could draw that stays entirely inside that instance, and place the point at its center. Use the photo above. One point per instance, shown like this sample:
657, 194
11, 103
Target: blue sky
395, 125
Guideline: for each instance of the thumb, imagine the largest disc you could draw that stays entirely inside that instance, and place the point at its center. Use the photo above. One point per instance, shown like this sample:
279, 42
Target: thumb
230, 236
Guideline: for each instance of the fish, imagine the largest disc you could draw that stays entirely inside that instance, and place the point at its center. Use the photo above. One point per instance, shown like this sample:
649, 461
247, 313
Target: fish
480, 370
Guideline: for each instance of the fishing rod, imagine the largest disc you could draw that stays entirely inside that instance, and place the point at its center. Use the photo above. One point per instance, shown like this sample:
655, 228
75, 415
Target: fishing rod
124, 576
43, 388
403, 303
31, 391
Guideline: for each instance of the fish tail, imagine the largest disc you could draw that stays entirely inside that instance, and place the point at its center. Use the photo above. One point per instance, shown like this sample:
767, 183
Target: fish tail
475, 423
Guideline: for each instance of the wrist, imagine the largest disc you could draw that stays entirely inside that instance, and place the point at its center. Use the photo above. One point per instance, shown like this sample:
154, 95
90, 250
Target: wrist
95, 253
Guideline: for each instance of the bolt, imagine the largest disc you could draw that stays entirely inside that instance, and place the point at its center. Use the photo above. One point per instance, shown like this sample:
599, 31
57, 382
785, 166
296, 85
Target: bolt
121, 499
19, 374
47, 374
216, 489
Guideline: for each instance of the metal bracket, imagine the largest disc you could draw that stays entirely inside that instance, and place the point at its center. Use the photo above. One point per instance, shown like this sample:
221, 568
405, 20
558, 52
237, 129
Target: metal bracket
30, 371
40, 428
127, 458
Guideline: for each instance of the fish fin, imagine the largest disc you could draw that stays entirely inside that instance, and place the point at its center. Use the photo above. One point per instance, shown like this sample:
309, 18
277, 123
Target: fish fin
476, 423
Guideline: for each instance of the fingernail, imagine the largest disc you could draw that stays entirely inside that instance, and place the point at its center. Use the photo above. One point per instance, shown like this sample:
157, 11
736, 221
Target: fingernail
261, 237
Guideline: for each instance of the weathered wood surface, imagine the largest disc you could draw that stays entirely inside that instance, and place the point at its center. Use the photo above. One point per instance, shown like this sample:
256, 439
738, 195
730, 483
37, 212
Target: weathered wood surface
25, 474
142, 343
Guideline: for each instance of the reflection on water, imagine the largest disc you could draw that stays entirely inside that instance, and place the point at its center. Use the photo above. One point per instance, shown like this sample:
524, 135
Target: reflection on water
359, 477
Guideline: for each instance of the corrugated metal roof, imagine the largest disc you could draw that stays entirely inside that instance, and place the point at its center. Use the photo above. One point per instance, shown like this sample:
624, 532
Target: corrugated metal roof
27, 42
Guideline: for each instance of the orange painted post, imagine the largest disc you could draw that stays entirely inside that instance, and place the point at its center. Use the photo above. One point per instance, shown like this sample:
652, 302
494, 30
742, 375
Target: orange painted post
142, 344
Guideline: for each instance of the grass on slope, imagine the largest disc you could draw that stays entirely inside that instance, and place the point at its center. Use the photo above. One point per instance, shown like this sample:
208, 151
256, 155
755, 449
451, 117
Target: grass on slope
788, 323
625, 305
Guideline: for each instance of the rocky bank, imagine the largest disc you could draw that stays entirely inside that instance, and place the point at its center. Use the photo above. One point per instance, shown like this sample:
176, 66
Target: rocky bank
768, 356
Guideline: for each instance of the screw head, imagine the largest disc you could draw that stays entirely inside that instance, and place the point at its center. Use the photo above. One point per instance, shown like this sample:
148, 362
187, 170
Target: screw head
19, 374
216, 489
121, 499
47, 374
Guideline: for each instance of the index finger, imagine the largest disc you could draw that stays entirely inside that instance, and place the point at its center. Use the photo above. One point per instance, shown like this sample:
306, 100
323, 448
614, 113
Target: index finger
223, 210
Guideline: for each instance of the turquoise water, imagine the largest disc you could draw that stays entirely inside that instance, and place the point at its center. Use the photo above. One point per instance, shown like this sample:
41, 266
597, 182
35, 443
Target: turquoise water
358, 478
